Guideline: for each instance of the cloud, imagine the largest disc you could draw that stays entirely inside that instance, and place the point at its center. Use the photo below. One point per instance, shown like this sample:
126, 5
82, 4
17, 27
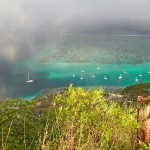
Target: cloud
27, 26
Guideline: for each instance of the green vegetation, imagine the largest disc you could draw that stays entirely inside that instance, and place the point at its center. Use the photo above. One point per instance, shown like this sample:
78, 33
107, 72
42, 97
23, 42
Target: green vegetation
138, 89
75, 119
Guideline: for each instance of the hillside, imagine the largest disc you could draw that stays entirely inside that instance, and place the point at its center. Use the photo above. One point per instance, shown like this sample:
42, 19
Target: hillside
138, 89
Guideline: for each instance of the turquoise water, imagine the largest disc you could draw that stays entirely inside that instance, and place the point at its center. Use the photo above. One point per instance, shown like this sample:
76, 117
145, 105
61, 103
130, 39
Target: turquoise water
56, 75
55, 66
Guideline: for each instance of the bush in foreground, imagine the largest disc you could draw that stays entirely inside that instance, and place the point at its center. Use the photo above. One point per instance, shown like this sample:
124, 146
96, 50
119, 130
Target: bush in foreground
76, 119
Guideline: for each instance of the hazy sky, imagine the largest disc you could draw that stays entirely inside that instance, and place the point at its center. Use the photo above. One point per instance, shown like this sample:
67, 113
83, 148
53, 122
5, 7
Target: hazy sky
26, 25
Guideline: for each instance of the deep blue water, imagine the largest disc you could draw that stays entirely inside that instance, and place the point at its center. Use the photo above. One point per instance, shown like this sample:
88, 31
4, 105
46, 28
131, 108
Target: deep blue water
84, 56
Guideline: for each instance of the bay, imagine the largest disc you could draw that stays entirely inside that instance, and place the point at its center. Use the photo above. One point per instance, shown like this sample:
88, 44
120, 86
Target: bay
68, 58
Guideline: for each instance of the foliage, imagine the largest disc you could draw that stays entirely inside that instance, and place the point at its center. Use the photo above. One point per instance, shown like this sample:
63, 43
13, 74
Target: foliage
144, 146
84, 120
19, 124
75, 119
134, 90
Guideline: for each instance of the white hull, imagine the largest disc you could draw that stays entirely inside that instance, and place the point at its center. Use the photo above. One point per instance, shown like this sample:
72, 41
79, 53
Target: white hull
120, 77
136, 79
105, 78
30, 81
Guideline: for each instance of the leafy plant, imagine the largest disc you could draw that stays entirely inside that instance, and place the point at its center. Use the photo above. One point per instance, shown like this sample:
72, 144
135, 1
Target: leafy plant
74, 119
85, 120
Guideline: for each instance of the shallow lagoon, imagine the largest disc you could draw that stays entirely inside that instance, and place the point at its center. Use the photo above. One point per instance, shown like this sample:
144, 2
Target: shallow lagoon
82, 55
56, 75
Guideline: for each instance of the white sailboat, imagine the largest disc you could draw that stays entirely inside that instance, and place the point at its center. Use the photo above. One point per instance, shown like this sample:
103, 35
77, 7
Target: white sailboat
93, 76
28, 79
136, 79
125, 72
120, 77
97, 68
73, 75
105, 78
140, 75
81, 77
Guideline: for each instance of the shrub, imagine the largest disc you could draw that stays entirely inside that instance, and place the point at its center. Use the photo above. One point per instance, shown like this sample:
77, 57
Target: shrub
76, 119
85, 120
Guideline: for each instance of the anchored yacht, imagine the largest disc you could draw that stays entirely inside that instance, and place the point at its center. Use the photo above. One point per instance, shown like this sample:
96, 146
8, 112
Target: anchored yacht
81, 77
28, 79
120, 77
97, 68
125, 72
105, 78
136, 79
140, 75
73, 75
93, 76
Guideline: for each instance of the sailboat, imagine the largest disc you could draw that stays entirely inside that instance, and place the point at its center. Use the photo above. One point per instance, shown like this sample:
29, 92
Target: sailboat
125, 72
73, 75
81, 78
120, 77
28, 79
105, 78
97, 68
82, 71
93, 76
140, 75
136, 79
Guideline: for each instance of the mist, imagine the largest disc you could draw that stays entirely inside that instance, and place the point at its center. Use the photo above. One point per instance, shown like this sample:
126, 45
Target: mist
26, 26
